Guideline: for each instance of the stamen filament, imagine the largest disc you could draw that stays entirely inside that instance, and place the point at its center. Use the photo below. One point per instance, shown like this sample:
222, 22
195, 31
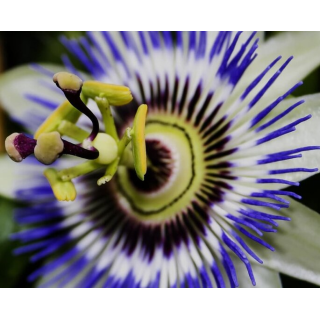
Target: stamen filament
64, 112
71, 86
78, 170
104, 107
111, 170
124, 141
74, 98
70, 130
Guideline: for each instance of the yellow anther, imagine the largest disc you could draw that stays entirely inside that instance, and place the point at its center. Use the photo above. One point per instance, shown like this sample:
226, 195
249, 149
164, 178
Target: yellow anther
48, 148
107, 147
138, 142
67, 81
63, 190
64, 112
116, 95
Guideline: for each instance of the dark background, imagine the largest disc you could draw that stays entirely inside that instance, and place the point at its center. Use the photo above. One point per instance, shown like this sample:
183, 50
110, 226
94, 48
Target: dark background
18, 48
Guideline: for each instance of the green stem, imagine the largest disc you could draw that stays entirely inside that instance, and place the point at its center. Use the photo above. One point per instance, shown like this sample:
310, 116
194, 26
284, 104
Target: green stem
124, 141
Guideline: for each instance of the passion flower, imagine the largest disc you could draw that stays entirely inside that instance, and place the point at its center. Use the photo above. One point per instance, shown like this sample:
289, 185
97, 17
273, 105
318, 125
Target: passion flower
198, 186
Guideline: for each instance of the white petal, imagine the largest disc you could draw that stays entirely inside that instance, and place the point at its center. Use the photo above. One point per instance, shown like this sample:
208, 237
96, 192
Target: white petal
261, 36
7, 185
21, 81
303, 46
297, 245
306, 134
265, 277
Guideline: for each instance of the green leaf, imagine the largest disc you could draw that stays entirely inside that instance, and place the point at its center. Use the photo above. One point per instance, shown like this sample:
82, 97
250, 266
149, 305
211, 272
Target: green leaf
6, 219
13, 268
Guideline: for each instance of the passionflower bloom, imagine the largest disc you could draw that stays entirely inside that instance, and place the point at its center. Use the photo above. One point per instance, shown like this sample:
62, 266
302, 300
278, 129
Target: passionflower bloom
223, 138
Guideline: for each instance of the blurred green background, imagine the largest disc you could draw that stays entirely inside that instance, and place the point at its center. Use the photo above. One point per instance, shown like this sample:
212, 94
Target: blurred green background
18, 48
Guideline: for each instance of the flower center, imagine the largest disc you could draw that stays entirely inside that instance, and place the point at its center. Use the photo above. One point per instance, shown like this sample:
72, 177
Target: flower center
175, 171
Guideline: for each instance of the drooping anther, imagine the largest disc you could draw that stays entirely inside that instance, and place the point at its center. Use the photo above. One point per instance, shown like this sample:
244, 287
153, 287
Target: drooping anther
50, 146
19, 146
47, 149
71, 86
